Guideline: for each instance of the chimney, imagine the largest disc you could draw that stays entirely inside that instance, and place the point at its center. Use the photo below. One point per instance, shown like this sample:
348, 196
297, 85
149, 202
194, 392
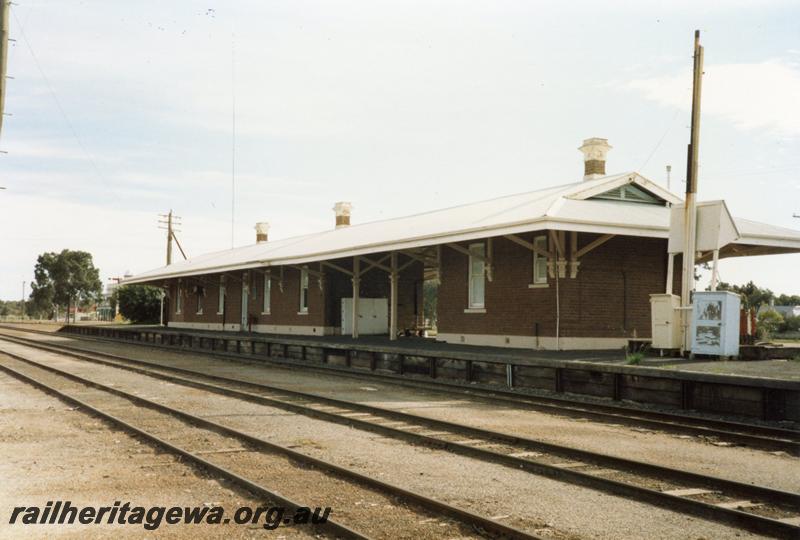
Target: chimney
594, 157
342, 210
262, 228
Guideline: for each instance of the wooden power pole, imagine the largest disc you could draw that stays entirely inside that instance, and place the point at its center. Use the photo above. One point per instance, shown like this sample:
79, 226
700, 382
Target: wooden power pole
170, 222
690, 204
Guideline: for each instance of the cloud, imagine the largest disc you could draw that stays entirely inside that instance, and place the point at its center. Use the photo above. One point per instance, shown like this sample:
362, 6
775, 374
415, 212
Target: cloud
758, 96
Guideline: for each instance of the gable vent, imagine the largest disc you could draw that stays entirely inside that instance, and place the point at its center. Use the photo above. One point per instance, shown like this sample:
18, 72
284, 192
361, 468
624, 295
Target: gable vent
630, 193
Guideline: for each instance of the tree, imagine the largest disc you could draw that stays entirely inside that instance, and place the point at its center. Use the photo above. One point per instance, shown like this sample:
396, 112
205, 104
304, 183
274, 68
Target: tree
430, 296
64, 279
769, 321
139, 303
752, 295
787, 300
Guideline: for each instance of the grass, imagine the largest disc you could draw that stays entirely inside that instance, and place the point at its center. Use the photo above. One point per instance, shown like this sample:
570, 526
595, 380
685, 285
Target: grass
634, 359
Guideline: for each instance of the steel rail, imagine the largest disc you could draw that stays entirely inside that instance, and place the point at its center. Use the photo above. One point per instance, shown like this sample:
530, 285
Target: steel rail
198, 462
744, 433
478, 522
755, 522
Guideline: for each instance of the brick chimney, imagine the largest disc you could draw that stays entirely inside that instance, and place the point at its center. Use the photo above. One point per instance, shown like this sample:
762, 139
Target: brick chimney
262, 229
342, 210
594, 157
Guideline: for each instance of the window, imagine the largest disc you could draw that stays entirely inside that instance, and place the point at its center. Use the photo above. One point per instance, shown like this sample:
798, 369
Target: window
267, 292
221, 297
179, 299
200, 294
539, 262
476, 275
304, 290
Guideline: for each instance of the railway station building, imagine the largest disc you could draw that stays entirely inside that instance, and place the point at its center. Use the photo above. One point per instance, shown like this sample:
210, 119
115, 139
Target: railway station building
567, 267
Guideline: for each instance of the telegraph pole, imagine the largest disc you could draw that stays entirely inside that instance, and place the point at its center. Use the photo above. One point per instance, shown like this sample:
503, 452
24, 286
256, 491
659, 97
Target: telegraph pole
4, 7
23, 301
169, 238
690, 204
169, 222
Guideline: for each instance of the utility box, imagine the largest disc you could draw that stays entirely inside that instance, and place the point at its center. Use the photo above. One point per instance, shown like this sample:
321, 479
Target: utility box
666, 321
715, 323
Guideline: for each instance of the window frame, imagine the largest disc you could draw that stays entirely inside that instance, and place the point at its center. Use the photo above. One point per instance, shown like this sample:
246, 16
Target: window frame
179, 300
266, 300
303, 309
471, 302
539, 259
221, 292
199, 309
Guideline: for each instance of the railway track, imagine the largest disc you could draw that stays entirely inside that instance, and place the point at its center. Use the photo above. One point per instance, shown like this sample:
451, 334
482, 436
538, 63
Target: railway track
245, 460
753, 435
754, 508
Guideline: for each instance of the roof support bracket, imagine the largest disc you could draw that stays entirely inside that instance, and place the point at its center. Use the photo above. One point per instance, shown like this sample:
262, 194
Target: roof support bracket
376, 264
337, 267
487, 261
594, 244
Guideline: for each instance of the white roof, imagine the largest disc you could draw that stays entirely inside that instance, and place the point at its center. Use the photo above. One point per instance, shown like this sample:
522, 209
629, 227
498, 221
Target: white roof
565, 207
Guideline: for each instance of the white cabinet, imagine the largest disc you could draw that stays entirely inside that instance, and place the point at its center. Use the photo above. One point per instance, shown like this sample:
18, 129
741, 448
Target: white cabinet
715, 323
666, 321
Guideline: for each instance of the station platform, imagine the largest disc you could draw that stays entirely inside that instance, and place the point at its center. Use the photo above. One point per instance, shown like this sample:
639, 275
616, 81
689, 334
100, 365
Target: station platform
769, 390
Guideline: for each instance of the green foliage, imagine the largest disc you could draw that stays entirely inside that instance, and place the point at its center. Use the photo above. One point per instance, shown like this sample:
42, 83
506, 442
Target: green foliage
430, 295
139, 303
633, 359
768, 323
790, 324
787, 300
64, 279
752, 295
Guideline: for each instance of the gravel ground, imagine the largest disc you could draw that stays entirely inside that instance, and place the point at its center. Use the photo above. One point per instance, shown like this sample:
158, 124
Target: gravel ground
689, 452
352, 504
515, 497
49, 452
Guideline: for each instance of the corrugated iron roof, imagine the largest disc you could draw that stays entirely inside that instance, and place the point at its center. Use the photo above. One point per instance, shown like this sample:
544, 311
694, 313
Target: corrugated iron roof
565, 207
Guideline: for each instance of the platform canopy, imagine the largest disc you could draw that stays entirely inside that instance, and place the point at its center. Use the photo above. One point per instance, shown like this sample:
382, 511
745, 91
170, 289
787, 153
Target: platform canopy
622, 204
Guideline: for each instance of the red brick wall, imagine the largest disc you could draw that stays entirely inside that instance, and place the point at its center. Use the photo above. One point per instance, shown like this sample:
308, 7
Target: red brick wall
609, 298
285, 305
324, 306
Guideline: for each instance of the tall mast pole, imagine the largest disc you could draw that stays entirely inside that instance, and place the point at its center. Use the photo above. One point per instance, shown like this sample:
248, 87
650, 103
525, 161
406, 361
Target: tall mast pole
4, 13
690, 205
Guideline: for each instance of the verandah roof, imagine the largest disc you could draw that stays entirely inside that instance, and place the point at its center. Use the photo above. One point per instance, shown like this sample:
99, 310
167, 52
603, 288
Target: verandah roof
570, 207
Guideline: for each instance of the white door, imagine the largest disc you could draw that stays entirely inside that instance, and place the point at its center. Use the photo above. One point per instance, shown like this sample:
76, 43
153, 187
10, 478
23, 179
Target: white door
377, 318
373, 316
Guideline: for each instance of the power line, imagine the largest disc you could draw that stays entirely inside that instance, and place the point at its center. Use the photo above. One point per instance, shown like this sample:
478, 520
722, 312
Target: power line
55, 98
661, 140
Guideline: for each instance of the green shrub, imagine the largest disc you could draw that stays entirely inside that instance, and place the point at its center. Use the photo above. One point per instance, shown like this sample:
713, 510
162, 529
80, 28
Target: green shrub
768, 323
139, 303
790, 324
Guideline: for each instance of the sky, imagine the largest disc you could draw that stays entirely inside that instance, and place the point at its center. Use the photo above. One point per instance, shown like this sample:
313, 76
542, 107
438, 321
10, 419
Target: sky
124, 110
